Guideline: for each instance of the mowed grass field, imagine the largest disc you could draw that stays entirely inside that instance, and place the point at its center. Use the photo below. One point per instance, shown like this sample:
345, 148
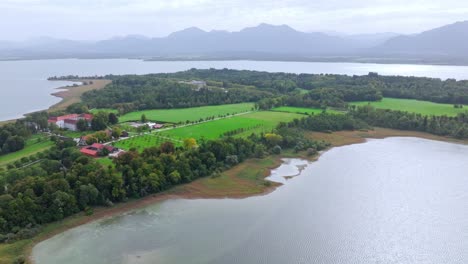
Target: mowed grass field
145, 141
184, 114
415, 106
302, 110
255, 122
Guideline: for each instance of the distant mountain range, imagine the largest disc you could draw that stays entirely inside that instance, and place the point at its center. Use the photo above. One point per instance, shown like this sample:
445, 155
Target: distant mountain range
448, 44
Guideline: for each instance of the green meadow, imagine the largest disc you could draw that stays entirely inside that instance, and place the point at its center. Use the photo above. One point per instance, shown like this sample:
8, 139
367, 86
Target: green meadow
415, 106
256, 122
145, 141
184, 114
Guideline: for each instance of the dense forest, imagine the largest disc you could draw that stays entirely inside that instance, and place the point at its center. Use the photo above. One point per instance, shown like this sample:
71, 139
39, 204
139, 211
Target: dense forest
132, 92
421, 88
128, 93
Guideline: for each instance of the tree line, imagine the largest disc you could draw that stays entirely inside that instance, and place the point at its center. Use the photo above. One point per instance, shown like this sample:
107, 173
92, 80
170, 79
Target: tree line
420, 88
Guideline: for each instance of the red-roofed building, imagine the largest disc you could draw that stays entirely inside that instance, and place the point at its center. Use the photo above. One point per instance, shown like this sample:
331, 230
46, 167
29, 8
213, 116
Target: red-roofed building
95, 150
69, 121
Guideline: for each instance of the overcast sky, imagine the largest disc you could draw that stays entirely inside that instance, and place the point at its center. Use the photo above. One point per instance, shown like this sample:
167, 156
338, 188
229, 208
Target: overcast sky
99, 19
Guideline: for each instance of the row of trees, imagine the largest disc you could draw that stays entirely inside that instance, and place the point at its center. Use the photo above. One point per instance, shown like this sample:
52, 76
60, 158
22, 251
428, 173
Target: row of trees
439, 125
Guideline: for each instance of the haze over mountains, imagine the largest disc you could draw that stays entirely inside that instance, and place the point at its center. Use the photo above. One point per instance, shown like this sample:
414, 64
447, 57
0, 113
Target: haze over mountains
447, 44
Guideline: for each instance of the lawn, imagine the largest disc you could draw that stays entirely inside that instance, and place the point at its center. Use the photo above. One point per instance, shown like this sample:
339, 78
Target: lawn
302, 110
415, 106
35, 144
256, 122
252, 123
184, 114
145, 141
105, 161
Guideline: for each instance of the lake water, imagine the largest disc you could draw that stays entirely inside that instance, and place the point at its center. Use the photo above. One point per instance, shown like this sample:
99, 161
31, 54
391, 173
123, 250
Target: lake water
396, 200
24, 87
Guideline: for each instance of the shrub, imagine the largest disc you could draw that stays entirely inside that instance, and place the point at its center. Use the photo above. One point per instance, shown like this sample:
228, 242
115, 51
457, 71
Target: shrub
19, 260
276, 150
311, 151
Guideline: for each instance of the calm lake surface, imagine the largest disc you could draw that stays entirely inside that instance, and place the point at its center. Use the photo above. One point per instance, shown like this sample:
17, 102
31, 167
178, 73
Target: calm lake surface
397, 200
24, 86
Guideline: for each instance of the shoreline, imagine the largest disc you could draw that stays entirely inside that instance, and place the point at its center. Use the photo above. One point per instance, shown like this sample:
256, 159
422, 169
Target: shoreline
325, 59
72, 94
190, 190
68, 94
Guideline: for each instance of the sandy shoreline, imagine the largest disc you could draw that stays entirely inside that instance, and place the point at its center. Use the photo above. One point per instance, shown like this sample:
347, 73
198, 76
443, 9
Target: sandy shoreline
72, 94
337, 139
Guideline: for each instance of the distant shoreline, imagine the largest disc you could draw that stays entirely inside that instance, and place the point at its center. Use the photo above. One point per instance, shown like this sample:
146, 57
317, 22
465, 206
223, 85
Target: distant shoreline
331, 59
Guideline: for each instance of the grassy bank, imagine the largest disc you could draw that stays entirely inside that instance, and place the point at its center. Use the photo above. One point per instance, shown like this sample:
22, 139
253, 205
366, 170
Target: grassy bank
343, 138
415, 106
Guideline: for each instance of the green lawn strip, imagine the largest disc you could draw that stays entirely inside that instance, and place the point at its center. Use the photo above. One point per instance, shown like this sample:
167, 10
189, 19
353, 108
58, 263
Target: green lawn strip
32, 147
184, 114
415, 106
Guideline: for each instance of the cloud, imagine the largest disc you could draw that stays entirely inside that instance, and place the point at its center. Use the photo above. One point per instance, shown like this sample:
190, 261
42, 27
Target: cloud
97, 19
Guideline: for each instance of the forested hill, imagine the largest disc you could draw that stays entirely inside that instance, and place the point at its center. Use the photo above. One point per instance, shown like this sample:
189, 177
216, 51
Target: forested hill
132, 92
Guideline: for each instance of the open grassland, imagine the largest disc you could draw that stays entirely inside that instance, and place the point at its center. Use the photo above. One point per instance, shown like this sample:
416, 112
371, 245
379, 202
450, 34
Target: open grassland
35, 144
256, 122
303, 110
415, 106
184, 114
